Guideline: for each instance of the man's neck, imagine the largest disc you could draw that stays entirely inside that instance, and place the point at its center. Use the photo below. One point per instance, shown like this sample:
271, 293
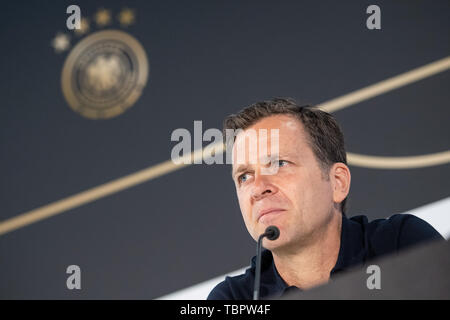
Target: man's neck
311, 264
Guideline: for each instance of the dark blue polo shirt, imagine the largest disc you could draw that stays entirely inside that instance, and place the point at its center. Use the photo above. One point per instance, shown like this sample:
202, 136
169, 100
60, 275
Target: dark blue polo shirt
361, 241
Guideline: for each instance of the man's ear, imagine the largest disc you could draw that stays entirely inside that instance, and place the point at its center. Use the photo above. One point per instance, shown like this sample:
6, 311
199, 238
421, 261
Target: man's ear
341, 178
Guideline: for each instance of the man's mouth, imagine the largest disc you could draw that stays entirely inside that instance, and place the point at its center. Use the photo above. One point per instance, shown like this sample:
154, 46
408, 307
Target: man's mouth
269, 212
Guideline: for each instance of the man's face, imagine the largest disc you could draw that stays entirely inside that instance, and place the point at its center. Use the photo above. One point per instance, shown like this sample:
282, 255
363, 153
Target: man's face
297, 198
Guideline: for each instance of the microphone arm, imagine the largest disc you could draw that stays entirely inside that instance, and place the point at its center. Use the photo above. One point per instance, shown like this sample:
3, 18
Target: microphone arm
272, 233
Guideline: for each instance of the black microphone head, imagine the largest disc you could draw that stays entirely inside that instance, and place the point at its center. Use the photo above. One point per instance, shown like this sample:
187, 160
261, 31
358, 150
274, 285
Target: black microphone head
272, 233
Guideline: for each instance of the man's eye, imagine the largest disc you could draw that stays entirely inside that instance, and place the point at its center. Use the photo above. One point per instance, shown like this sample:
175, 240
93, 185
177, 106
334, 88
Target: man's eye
282, 163
243, 177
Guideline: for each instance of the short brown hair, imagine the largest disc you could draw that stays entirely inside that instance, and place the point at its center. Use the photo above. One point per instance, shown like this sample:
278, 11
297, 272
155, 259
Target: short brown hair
324, 134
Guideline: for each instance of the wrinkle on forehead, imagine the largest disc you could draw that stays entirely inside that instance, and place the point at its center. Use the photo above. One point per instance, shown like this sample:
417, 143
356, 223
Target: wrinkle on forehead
256, 146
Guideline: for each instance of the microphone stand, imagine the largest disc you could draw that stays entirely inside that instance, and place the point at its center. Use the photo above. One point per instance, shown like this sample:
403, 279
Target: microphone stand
272, 233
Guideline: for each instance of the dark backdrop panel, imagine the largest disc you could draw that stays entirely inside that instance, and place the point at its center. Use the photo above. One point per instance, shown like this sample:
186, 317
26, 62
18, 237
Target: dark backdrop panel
207, 59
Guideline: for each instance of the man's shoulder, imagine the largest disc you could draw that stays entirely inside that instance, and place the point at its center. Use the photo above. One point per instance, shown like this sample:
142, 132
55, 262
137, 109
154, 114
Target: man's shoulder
395, 233
240, 287
233, 287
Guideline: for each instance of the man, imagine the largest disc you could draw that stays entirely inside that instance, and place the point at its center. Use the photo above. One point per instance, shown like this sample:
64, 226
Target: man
306, 199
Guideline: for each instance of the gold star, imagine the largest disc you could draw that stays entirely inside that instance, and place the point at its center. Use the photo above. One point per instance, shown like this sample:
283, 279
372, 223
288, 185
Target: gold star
60, 42
84, 27
126, 17
103, 17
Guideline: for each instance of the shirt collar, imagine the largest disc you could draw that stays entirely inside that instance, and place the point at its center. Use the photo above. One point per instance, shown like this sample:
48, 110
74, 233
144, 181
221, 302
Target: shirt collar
351, 252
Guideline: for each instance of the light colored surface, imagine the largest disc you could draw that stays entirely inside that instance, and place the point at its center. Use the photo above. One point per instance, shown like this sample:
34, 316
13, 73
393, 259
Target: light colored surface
199, 291
437, 214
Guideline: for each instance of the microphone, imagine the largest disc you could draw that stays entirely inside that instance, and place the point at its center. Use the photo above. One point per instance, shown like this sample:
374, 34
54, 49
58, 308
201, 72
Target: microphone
272, 233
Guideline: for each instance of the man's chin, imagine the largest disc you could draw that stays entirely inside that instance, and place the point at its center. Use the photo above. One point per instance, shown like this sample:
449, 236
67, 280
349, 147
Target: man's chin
272, 244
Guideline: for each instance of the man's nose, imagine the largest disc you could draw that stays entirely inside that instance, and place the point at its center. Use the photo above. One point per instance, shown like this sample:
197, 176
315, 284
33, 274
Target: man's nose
262, 187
